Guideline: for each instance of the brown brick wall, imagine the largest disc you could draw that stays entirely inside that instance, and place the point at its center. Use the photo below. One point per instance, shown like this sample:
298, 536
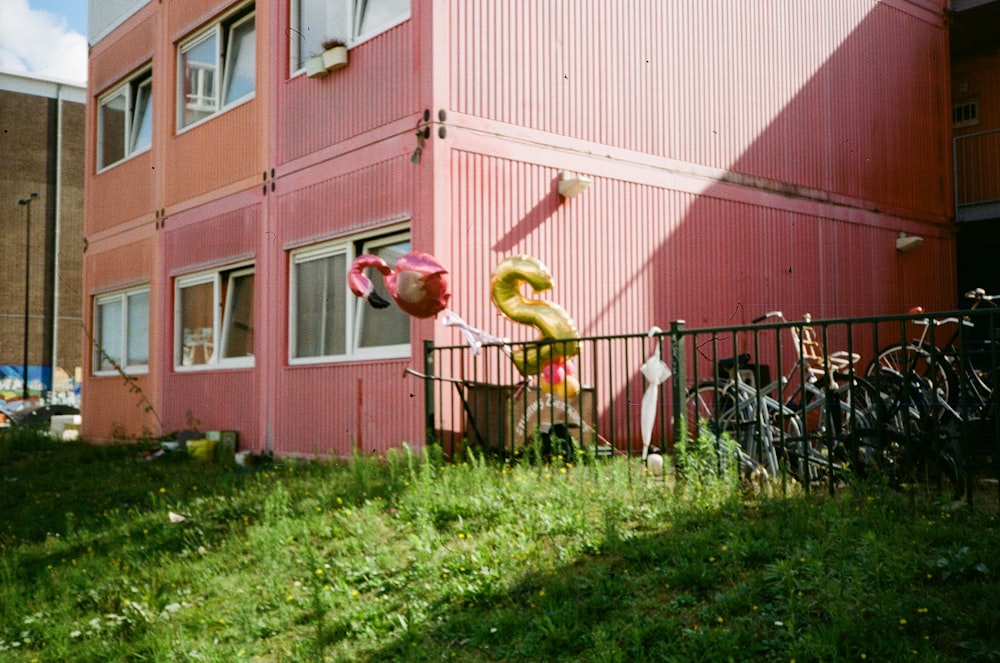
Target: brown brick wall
28, 127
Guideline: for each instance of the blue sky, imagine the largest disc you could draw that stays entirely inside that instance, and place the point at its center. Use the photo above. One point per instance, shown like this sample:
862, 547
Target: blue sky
74, 11
44, 38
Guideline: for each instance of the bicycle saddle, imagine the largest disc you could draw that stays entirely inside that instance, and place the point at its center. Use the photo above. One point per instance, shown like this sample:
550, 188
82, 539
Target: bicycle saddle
729, 363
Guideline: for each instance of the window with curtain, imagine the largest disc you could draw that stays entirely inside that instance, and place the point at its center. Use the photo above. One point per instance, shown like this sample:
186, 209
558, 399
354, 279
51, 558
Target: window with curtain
327, 322
121, 331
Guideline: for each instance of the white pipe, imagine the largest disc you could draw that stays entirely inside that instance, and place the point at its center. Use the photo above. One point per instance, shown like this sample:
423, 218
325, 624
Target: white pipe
58, 225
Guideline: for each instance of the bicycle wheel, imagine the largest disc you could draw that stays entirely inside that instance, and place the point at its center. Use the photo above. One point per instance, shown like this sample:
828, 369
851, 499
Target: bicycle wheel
904, 442
712, 414
828, 414
710, 407
877, 454
922, 360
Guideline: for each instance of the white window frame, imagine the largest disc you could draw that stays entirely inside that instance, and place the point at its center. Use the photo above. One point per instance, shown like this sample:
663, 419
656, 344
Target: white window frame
355, 309
221, 316
135, 114
353, 10
123, 297
215, 103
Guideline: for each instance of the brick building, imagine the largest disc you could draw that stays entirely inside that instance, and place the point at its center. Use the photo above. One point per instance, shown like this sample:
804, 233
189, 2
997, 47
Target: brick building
41, 151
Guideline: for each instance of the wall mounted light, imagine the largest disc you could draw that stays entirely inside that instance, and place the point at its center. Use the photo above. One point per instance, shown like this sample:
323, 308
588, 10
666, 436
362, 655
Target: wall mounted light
906, 242
572, 185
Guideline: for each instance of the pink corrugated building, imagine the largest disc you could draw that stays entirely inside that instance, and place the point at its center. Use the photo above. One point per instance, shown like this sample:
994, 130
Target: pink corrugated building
742, 156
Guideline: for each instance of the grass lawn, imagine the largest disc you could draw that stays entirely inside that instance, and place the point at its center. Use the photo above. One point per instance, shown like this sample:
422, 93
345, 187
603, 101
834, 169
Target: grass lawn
110, 557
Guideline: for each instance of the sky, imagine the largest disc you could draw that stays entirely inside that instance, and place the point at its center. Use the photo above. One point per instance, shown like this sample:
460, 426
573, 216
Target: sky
46, 38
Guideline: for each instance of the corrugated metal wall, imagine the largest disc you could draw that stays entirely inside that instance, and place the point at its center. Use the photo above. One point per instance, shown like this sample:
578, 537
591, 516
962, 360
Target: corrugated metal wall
120, 195
377, 88
325, 201
757, 88
345, 408
108, 205
356, 406
214, 236
818, 154
228, 152
119, 240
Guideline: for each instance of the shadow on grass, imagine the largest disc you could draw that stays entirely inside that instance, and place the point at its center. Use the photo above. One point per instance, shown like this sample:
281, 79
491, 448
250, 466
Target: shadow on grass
781, 580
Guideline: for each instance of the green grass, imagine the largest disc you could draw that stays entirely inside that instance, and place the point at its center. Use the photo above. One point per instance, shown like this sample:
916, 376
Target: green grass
409, 559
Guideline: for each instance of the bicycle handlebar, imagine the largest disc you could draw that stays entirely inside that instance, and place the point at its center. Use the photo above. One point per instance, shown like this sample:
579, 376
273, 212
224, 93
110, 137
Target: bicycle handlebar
943, 321
772, 314
980, 295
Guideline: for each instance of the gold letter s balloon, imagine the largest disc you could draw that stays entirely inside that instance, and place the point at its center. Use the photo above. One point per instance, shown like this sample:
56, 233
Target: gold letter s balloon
550, 319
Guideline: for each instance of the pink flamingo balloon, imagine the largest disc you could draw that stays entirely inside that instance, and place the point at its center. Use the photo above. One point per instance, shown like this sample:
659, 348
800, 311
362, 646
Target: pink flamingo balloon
417, 284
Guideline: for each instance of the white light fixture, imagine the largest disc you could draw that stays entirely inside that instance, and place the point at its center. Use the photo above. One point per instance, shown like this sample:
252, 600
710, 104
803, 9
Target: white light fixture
572, 185
906, 242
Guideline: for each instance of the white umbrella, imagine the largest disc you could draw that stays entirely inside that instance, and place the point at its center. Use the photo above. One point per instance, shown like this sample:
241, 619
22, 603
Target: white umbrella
656, 373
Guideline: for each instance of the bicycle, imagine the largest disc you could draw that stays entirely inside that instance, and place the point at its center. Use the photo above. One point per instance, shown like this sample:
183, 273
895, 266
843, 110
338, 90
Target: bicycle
804, 432
832, 402
928, 393
729, 405
963, 389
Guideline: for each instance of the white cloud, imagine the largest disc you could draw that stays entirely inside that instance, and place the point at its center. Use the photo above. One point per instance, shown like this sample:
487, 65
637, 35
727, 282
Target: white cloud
39, 42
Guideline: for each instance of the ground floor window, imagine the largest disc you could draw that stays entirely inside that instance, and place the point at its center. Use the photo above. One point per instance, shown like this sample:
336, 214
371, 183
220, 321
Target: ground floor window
327, 322
214, 318
121, 331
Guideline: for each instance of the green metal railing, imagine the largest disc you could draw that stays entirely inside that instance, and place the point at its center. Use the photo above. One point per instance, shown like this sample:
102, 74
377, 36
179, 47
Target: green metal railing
481, 400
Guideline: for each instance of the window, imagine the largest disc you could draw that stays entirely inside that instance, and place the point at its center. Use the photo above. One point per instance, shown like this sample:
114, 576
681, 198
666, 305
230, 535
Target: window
121, 331
965, 113
327, 321
125, 120
350, 21
214, 319
216, 68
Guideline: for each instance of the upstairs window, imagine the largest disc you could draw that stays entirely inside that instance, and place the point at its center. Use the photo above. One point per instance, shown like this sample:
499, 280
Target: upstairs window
214, 319
349, 21
216, 68
125, 120
121, 332
965, 113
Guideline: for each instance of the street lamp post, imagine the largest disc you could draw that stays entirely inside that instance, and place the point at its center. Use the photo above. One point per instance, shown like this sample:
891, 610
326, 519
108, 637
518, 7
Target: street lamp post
27, 288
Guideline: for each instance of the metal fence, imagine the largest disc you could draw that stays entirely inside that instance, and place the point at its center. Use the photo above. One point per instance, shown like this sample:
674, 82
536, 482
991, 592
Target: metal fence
480, 399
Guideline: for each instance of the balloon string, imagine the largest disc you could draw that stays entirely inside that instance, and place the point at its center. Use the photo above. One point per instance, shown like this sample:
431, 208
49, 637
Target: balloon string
475, 337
